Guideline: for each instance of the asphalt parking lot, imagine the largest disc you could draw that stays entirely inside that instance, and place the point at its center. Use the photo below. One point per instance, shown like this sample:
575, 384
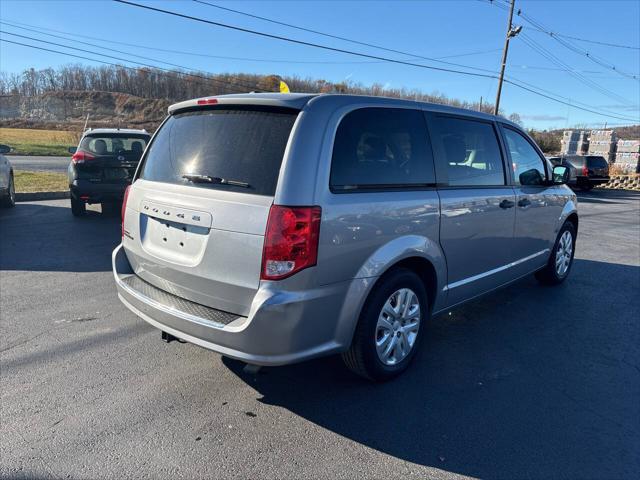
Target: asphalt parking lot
529, 382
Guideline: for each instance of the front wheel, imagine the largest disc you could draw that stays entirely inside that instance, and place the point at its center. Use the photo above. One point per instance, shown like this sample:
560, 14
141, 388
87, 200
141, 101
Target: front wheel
390, 326
561, 259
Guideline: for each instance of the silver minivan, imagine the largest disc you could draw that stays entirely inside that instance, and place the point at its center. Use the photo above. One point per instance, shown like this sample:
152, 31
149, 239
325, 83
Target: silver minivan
275, 228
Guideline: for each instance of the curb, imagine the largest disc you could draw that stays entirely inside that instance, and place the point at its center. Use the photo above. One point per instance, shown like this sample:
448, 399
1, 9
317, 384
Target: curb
34, 196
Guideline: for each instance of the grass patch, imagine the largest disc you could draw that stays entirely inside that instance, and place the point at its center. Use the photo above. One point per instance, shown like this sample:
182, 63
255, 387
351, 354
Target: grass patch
40, 181
25, 141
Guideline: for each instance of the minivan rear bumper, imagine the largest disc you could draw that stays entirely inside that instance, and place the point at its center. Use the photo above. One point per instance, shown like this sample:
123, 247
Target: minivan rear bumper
283, 327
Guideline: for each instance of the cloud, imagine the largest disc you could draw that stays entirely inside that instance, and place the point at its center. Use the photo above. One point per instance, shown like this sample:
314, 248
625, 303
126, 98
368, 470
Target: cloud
543, 118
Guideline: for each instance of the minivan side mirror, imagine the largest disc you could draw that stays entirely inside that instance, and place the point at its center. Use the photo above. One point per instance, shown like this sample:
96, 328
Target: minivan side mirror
72, 150
560, 174
5, 149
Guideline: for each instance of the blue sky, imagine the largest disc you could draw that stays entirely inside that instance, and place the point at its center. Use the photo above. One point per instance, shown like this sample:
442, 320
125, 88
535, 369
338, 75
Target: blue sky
432, 29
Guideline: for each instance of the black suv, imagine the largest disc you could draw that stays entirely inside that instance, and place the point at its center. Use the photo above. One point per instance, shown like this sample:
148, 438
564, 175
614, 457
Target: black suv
585, 171
103, 165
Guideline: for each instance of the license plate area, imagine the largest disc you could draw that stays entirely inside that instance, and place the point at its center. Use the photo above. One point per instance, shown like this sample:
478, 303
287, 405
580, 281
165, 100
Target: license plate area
117, 174
172, 241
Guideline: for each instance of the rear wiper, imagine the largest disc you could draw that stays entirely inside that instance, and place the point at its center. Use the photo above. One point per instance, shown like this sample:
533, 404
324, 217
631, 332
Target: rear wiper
217, 180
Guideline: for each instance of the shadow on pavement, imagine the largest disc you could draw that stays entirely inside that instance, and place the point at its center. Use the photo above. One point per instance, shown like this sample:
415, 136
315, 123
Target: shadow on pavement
529, 382
43, 237
599, 195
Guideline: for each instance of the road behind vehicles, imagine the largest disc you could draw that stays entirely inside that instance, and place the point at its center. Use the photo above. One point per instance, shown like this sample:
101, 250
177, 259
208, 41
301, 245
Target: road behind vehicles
7, 185
585, 171
278, 228
103, 165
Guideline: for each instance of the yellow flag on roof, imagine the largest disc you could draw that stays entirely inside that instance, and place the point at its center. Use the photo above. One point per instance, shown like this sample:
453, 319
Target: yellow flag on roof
284, 88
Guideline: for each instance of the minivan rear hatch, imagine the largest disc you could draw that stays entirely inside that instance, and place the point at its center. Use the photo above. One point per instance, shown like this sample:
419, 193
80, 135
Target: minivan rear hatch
196, 216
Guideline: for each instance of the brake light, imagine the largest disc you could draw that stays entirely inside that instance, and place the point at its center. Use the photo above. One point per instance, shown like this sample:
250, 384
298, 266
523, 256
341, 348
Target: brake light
81, 156
290, 241
207, 101
585, 171
124, 207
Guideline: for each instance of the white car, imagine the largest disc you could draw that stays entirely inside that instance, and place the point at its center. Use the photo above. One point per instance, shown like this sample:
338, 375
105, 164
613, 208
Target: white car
7, 186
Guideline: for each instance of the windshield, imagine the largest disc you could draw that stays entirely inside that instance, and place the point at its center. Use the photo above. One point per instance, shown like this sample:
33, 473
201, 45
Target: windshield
242, 145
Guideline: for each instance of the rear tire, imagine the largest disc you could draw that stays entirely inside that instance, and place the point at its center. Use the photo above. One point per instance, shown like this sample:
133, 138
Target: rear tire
78, 207
10, 200
390, 327
561, 259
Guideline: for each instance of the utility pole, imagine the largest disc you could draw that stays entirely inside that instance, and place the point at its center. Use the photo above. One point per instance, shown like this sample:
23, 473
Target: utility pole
511, 32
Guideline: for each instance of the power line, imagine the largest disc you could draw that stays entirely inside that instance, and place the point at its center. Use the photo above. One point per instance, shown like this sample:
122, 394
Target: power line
190, 74
558, 38
366, 55
336, 37
300, 42
555, 60
596, 42
227, 83
42, 30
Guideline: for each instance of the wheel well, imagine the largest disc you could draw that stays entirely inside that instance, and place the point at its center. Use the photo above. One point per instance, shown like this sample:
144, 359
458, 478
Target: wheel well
425, 270
573, 218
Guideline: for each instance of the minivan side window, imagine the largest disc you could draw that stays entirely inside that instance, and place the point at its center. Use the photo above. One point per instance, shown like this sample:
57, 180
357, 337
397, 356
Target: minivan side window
470, 150
528, 166
381, 148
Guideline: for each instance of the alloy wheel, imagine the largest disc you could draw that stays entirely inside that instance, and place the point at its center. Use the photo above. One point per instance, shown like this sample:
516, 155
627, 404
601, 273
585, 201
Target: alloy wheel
397, 327
564, 254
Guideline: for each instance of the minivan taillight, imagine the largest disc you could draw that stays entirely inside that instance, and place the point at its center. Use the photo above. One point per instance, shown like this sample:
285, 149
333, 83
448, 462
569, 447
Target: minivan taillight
81, 156
585, 171
290, 241
124, 207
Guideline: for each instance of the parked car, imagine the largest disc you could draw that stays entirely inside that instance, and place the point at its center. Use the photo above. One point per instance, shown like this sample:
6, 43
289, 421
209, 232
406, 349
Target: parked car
103, 165
585, 171
275, 228
7, 185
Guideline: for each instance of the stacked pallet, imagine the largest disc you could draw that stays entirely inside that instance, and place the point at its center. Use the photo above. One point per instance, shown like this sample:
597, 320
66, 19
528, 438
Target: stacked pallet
603, 143
574, 142
628, 155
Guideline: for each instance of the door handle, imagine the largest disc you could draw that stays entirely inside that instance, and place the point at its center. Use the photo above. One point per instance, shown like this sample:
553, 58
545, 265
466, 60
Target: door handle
506, 204
525, 202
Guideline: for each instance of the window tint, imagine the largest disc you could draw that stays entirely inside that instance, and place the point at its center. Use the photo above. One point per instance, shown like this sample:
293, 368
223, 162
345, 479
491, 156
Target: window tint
597, 162
241, 144
471, 152
527, 164
381, 147
114, 145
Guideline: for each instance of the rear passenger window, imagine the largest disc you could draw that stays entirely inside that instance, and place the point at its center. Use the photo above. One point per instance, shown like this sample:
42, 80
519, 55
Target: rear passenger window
470, 150
527, 164
381, 147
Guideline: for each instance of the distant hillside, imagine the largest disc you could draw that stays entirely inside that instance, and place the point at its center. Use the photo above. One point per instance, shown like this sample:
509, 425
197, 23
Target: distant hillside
52, 109
124, 97
139, 97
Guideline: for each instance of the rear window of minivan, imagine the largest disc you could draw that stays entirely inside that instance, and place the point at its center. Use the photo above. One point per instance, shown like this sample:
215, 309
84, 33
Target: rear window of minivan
241, 144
